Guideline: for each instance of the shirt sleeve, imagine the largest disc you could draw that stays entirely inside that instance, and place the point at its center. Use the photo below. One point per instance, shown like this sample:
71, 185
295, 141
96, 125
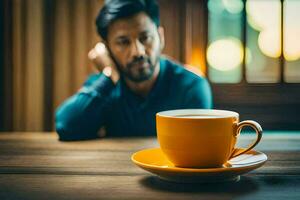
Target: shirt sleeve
83, 114
199, 95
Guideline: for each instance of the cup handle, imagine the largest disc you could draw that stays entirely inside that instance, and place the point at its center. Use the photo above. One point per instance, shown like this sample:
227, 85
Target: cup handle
258, 131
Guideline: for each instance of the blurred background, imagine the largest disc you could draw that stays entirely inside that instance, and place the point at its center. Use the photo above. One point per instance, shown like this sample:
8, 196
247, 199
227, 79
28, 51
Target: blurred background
248, 49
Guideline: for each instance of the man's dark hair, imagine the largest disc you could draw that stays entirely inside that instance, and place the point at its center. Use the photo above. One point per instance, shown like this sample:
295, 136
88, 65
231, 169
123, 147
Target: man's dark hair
116, 9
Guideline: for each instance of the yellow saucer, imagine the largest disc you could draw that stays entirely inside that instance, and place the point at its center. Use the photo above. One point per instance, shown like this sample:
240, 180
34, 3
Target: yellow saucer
154, 161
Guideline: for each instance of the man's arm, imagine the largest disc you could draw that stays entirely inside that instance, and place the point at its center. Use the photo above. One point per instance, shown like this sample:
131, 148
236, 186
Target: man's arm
82, 115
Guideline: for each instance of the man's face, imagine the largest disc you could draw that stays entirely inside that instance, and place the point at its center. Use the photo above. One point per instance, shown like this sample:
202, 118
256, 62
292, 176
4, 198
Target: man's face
135, 44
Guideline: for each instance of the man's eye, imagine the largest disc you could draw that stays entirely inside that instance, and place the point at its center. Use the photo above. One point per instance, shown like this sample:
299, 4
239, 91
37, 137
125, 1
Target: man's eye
145, 38
123, 42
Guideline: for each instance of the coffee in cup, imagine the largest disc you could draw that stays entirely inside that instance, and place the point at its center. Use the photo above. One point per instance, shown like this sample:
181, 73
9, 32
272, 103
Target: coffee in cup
201, 138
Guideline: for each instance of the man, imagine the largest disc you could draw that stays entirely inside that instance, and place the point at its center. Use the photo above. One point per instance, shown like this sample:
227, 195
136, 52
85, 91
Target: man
135, 83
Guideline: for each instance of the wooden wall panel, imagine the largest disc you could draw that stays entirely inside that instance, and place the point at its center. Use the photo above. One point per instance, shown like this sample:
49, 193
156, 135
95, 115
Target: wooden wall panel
171, 20
34, 66
84, 36
2, 46
274, 106
18, 46
93, 38
79, 49
62, 69
5, 65
48, 51
195, 34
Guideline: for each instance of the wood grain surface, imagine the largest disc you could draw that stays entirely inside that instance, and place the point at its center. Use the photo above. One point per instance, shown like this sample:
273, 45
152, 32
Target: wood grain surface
38, 166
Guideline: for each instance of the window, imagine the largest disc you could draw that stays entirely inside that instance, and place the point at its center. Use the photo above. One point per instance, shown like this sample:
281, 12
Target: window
252, 33
253, 59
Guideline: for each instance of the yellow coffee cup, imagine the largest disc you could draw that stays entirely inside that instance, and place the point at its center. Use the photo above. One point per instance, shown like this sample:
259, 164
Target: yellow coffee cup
201, 138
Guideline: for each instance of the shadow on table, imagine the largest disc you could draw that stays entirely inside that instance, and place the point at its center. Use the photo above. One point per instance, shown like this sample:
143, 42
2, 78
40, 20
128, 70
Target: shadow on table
244, 186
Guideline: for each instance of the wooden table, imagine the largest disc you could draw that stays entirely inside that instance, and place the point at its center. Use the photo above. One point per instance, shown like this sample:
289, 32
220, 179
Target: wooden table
38, 166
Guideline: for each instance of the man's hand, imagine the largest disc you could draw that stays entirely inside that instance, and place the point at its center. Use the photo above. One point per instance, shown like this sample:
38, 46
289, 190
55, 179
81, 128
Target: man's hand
103, 62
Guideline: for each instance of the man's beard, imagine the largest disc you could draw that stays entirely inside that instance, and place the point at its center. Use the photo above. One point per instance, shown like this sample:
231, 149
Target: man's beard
138, 70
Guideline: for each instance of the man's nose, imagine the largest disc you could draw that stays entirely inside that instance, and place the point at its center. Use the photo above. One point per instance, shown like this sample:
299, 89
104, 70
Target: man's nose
137, 49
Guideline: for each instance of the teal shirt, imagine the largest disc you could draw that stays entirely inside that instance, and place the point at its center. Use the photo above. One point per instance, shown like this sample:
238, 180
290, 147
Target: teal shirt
100, 103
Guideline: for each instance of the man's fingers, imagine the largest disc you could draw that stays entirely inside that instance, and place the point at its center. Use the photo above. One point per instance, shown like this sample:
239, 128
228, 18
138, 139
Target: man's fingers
100, 48
92, 54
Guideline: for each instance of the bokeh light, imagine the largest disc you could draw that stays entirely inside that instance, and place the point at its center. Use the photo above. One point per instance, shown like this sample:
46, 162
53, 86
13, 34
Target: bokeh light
215, 6
269, 42
263, 14
233, 6
291, 45
291, 50
225, 54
